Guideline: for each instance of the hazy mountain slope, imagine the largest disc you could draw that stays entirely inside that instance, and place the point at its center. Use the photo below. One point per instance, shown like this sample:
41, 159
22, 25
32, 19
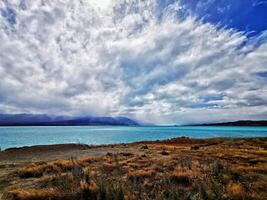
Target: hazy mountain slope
31, 119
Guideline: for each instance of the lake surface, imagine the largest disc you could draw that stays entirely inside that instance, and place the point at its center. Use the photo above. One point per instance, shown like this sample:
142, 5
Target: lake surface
38, 135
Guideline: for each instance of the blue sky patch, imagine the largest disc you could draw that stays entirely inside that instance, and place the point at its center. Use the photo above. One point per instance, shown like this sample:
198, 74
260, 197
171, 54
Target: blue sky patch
248, 16
262, 74
10, 15
209, 98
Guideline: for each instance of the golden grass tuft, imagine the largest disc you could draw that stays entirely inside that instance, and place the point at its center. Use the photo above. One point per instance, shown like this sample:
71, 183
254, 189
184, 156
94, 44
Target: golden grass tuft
89, 190
109, 167
87, 161
33, 194
183, 176
140, 174
31, 171
235, 191
64, 165
259, 168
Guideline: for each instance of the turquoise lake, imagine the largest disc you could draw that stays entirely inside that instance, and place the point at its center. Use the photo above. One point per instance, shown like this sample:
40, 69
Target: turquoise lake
37, 135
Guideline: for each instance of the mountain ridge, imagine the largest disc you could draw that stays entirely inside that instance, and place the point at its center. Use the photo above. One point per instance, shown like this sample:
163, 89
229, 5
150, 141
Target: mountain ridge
49, 120
237, 123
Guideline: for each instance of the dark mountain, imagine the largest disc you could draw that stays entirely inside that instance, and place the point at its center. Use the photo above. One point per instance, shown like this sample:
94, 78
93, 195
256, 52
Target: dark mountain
27, 118
47, 120
100, 121
238, 123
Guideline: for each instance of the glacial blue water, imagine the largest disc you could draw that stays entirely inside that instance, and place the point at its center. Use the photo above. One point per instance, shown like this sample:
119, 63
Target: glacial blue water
38, 135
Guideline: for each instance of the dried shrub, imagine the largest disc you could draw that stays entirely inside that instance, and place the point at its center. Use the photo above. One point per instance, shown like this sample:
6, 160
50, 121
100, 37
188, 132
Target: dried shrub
64, 183
182, 176
31, 171
64, 165
109, 167
33, 194
138, 175
235, 191
110, 191
88, 190
38, 170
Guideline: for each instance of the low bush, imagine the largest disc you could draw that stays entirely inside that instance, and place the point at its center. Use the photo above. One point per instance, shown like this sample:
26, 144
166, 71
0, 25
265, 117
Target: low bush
31, 171
235, 191
182, 176
33, 194
138, 175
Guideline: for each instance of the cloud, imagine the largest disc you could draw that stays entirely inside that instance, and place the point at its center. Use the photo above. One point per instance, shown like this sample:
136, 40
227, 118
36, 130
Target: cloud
140, 59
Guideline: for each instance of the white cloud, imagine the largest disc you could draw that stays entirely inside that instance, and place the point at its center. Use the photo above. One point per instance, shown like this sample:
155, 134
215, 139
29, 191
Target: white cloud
119, 58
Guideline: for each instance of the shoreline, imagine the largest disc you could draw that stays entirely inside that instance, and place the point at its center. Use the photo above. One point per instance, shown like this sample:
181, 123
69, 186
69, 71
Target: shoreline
83, 145
65, 151
175, 139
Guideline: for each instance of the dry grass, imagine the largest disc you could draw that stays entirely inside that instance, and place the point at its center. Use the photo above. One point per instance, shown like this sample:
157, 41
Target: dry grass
235, 191
31, 171
33, 194
140, 174
220, 169
88, 190
259, 168
37, 170
183, 176
109, 167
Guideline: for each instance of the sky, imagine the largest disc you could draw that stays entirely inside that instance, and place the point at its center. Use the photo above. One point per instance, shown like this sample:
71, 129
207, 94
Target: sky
157, 61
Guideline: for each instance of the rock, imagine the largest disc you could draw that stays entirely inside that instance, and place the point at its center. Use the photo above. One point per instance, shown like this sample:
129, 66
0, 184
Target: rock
165, 153
109, 154
195, 148
144, 147
126, 154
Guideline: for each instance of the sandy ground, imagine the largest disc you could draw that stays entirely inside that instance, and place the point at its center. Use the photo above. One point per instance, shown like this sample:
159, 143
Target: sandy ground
55, 152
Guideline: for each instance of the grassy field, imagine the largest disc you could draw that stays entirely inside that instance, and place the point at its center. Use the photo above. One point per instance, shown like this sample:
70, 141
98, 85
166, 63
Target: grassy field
181, 168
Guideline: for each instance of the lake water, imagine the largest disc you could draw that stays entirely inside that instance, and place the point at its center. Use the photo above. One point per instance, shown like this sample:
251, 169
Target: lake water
37, 135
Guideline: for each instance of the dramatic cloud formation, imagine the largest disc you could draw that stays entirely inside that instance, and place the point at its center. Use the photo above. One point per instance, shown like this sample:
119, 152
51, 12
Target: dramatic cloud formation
157, 62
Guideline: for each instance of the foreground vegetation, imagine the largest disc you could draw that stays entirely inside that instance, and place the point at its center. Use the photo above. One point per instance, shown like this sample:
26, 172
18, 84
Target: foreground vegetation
174, 169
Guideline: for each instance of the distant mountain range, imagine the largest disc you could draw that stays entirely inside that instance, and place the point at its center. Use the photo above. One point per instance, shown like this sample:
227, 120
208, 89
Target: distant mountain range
47, 120
238, 123
50, 120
